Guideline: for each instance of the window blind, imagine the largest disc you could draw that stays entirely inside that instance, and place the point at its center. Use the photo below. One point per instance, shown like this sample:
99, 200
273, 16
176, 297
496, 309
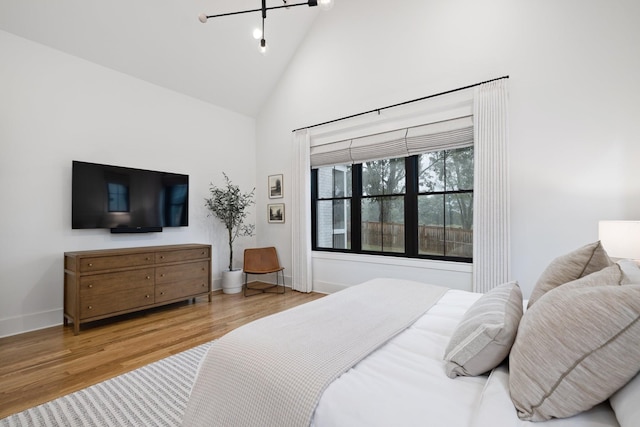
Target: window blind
335, 153
380, 146
443, 135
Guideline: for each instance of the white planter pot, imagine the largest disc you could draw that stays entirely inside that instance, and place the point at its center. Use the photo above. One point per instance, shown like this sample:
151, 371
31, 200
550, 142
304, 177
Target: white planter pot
232, 281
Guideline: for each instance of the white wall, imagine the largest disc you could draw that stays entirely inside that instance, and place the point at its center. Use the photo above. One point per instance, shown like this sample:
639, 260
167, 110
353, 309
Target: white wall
574, 144
573, 106
55, 108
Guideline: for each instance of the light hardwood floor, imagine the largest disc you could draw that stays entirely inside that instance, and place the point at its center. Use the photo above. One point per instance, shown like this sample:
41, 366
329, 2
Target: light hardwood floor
39, 366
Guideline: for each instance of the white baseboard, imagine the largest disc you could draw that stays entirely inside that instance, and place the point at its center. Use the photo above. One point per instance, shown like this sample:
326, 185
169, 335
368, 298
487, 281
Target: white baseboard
30, 322
327, 288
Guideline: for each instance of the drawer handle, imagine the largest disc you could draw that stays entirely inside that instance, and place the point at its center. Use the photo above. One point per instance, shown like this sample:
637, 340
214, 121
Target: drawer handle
90, 286
161, 293
148, 296
147, 259
203, 285
148, 277
161, 256
162, 275
90, 264
90, 308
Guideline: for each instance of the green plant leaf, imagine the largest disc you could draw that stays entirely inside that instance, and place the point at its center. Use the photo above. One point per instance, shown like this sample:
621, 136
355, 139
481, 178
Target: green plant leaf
230, 205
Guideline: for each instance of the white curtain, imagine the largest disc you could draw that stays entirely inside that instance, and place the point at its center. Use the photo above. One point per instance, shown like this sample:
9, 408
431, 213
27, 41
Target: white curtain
491, 222
301, 279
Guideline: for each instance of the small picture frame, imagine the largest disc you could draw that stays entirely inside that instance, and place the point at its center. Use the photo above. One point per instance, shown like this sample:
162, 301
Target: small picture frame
275, 213
276, 186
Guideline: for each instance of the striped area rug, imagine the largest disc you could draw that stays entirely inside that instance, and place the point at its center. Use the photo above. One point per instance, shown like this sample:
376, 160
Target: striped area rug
154, 395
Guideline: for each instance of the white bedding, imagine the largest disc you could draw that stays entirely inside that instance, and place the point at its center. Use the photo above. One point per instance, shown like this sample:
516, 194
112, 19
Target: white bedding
282, 363
404, 384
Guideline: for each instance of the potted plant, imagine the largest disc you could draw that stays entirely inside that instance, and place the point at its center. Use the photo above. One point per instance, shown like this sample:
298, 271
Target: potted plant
230, 205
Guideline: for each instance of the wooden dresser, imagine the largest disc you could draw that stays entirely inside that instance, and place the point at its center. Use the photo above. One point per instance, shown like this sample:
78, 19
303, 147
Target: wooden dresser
104, 283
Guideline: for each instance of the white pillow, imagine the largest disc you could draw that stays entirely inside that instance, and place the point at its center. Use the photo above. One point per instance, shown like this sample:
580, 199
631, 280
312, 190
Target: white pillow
626, 403
630, 271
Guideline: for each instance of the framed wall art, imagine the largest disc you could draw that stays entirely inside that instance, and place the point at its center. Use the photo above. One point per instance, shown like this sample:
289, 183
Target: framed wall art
275, 212
276, 186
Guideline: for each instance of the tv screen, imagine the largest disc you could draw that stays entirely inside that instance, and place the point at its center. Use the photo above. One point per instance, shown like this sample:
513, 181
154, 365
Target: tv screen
126, 199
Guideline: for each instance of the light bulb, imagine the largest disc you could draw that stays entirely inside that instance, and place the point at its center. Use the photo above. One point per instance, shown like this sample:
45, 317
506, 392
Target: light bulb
257, 33
263, 47
325, 4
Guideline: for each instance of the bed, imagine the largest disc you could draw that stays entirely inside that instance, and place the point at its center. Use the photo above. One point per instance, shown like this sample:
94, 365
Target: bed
448, 358
566, 357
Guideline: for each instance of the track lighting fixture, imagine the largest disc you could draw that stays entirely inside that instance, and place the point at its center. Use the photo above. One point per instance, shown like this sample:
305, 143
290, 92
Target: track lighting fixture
258, 33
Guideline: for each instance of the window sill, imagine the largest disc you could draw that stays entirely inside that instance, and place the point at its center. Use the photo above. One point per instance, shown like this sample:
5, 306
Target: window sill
461, 267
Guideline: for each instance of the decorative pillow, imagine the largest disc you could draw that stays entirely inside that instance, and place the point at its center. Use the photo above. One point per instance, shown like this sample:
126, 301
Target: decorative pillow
625, 403
608, 276
484, 336
574, 265
630, 271
575, 347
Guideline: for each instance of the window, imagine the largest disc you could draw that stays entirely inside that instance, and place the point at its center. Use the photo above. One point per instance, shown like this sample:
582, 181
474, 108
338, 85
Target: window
419, 206
333, 207
382, 205
445, 203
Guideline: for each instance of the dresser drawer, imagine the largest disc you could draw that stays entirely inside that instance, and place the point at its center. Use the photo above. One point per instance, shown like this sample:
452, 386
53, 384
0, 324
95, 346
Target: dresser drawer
99, 305
182, 255
178, 273
98, 263
185, 289
108, 283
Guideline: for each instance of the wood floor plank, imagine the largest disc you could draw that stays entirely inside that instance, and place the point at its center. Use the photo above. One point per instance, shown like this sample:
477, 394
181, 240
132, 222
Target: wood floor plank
39, 366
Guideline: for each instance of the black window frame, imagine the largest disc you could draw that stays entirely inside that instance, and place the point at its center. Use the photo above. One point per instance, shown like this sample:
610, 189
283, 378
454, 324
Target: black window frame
410, 214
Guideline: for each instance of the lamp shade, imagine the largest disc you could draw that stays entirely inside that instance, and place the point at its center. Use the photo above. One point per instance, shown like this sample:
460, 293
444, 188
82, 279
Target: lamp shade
621, 239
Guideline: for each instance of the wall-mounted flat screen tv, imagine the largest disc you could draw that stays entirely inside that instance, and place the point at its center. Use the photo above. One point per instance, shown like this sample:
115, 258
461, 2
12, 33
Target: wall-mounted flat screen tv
127, 200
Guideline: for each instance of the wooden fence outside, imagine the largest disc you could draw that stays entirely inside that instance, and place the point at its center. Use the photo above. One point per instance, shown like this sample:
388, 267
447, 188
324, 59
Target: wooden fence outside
431, 239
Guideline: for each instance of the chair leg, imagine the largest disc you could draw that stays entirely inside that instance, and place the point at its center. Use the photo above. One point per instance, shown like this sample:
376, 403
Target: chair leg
283, 288
256, 291
278, 283
265, 290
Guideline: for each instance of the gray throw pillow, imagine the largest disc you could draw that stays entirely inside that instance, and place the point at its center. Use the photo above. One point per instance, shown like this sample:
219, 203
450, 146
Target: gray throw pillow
608, 276
575, 347
484, 336
566, 268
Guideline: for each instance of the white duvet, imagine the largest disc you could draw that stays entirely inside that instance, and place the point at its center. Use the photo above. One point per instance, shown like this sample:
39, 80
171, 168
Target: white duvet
404, 384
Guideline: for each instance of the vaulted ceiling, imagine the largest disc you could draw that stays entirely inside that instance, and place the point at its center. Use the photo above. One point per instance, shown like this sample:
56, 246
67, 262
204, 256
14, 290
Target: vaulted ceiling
163, 42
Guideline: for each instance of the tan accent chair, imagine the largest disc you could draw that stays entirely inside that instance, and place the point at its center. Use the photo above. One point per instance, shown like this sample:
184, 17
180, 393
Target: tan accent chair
262, 261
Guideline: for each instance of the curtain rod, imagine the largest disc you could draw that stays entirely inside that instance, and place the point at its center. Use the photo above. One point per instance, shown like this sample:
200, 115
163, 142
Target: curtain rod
377, 110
